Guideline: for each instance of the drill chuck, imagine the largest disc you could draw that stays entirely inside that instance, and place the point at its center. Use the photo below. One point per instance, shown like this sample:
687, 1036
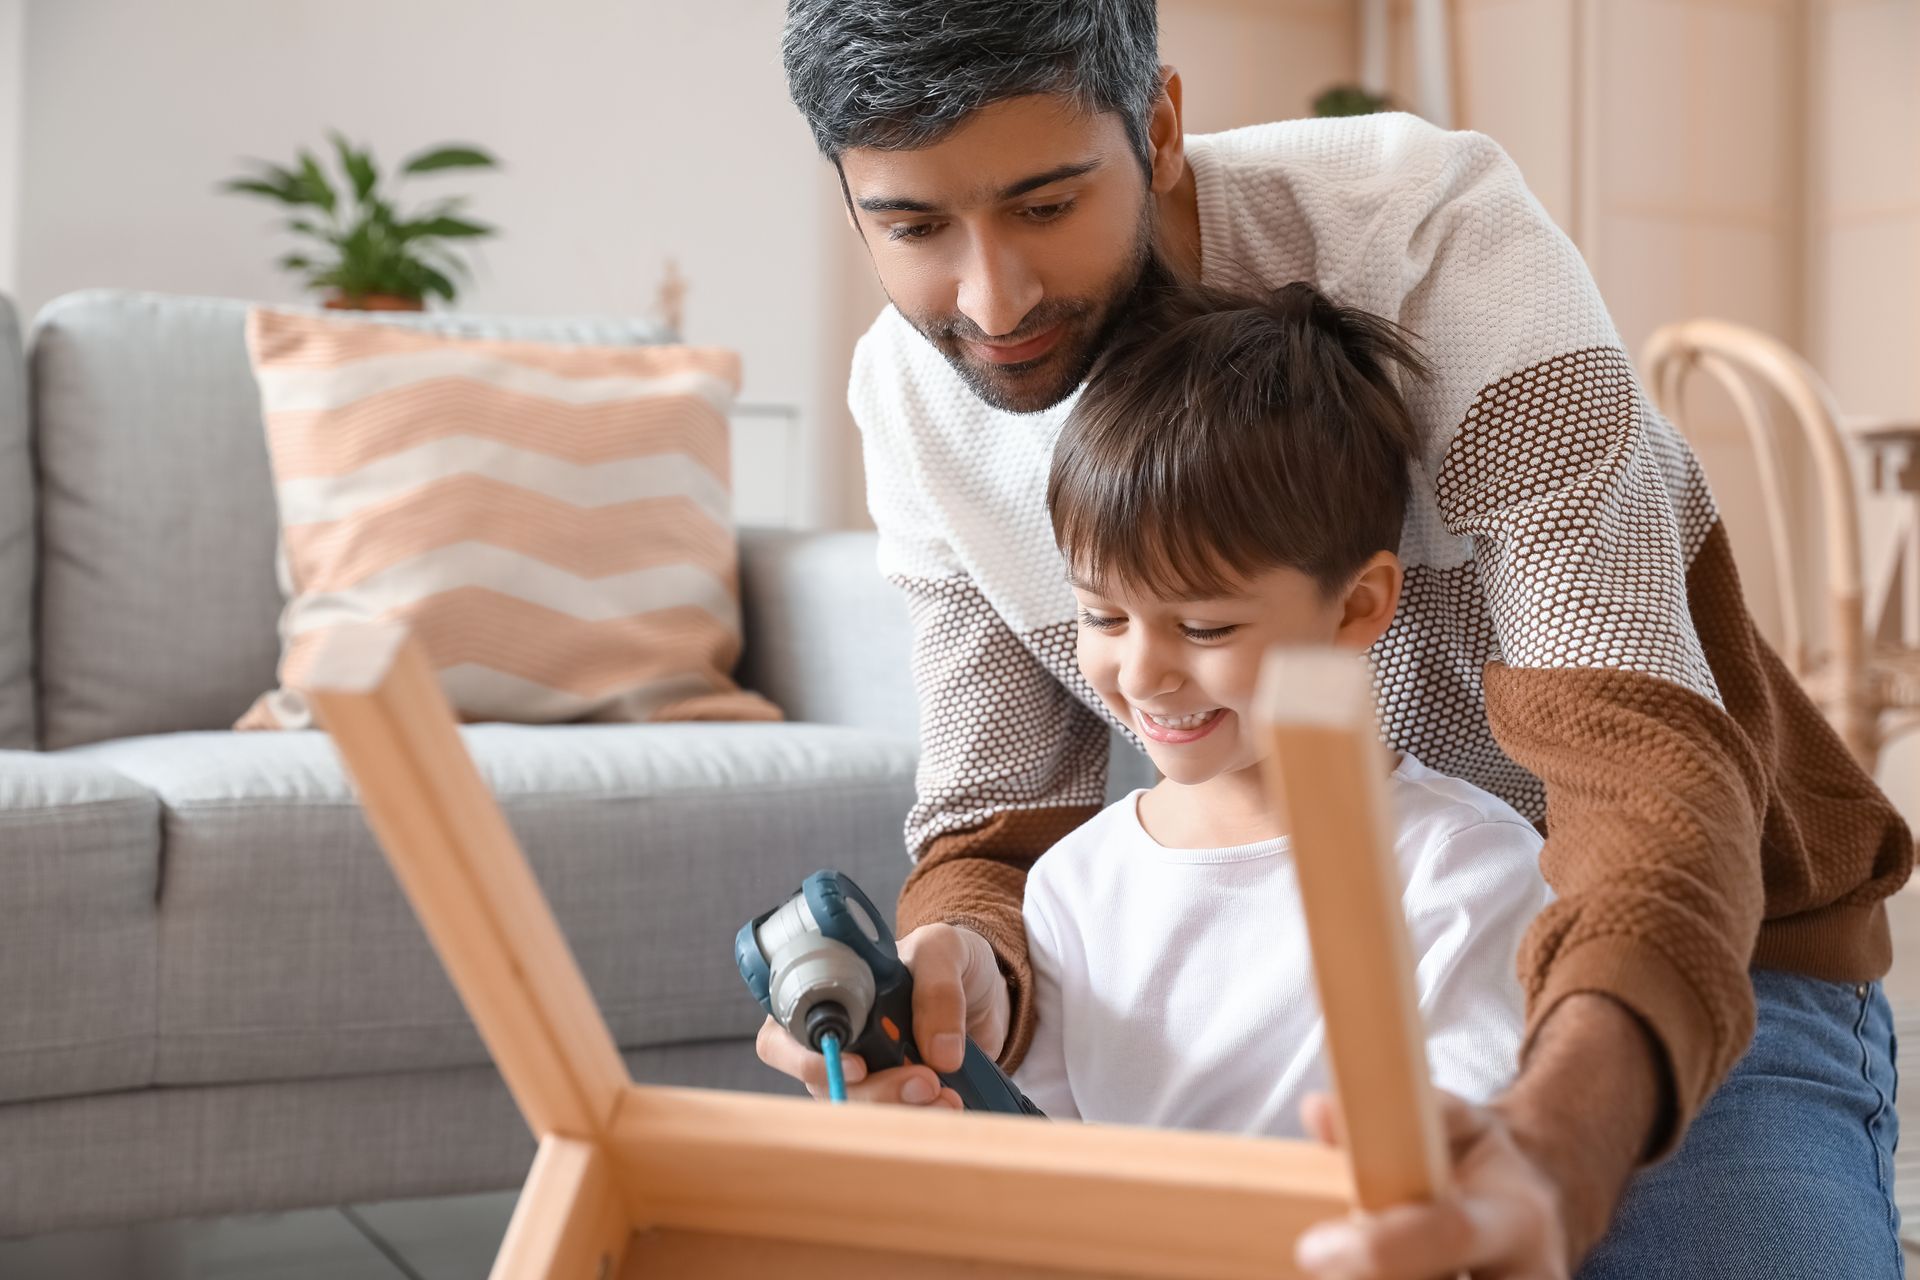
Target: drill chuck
825, 1019
811, 972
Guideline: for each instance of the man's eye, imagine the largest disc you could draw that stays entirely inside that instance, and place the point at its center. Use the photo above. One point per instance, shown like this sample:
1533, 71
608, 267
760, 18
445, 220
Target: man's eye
910, 231
1047, 212
1098, 623
1204, 634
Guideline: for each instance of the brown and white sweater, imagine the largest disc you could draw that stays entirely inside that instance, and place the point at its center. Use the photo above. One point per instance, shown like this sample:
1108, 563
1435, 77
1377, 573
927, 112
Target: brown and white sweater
1572, 635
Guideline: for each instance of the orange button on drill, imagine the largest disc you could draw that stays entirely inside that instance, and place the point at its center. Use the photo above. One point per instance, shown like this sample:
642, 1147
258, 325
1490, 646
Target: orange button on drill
886, 1025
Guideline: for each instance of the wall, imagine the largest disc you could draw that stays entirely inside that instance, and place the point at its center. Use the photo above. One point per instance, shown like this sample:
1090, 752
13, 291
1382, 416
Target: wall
1863, 244
1864, 235
1250, 61
12, 101
1665, 137
630, 133
1518, 79
1755, 160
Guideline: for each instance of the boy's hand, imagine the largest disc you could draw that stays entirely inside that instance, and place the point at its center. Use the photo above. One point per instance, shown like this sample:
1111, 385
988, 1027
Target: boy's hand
958, 991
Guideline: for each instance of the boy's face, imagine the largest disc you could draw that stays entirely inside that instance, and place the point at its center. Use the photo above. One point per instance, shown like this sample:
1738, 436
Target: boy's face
1182, 673
1014, 244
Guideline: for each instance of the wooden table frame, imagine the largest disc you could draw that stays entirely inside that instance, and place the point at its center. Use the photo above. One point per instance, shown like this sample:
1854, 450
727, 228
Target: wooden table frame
636, 1180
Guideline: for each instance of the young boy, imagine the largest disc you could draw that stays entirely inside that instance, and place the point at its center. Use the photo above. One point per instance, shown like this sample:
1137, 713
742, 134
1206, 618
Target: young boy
1234, 476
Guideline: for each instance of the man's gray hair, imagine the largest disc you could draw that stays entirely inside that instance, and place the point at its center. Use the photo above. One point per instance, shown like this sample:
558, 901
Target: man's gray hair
901, 74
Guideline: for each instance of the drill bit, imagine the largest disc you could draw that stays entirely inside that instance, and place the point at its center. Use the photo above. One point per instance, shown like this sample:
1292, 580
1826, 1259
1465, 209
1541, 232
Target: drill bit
836, 1079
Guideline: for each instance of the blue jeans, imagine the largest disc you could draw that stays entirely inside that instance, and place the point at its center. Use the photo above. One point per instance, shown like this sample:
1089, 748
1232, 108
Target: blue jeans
1788, 1170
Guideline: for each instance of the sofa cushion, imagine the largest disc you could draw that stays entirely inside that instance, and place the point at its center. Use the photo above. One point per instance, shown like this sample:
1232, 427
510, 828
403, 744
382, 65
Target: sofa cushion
16, 542
551, 520
79, 875
158, 596
287, 951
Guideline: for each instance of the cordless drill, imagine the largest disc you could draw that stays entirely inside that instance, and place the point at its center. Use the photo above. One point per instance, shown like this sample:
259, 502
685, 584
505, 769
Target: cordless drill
825, 966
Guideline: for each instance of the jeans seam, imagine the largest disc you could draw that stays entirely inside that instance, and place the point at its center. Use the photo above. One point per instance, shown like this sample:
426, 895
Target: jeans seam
1881, 1161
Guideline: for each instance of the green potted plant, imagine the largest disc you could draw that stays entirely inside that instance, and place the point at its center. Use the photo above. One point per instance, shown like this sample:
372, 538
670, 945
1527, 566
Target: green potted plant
370, 256
1350, 100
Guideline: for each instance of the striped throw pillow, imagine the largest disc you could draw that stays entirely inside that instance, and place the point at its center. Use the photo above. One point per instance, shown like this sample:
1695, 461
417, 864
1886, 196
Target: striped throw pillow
552, 521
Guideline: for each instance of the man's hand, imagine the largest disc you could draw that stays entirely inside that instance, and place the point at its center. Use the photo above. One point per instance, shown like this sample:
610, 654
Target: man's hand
958, 991
1501, 1221
1536, 1174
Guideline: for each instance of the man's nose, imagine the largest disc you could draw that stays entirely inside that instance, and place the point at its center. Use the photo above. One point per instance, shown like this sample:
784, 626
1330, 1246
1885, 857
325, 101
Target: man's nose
997, 288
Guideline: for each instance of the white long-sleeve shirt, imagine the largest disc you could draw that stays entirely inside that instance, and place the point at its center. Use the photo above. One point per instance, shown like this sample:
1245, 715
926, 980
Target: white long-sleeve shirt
1174, 987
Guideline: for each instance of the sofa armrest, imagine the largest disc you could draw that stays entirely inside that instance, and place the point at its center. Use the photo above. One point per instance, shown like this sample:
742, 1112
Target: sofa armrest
826, 636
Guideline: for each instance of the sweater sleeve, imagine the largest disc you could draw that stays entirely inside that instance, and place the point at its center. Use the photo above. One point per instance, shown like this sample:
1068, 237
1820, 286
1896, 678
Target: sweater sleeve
1575, 511
1663, 807
1581, 504
1567, 484
1010, 760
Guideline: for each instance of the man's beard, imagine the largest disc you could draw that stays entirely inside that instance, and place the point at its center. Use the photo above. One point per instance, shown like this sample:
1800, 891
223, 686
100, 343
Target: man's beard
1035, 385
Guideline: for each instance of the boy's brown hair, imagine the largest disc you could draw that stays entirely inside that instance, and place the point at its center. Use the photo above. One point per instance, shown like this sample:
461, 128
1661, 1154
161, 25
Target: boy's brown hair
1230, 434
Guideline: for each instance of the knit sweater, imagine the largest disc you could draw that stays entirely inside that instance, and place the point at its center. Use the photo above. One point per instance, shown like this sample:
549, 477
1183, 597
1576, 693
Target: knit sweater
1571, 636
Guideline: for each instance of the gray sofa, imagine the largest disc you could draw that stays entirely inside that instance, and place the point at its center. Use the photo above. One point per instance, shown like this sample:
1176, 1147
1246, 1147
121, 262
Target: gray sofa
212, 997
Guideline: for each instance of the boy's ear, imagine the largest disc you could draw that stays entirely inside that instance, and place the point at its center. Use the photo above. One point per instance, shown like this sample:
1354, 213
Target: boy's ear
1371, 598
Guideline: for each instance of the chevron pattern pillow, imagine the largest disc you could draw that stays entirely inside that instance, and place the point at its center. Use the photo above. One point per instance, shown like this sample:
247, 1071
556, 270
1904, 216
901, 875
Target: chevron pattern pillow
552, 521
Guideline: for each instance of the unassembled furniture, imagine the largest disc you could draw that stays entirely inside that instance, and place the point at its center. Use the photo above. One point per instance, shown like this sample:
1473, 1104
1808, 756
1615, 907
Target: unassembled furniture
636, 1180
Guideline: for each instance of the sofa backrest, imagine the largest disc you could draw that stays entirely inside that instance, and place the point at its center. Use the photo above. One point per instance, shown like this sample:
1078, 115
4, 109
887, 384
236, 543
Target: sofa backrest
16, 542
159, 608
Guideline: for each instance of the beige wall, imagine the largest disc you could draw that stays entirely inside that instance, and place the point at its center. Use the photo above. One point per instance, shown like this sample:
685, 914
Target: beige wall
1864, 234
1518, 80
1251, 61
631, 132
1665, 137
1756, 160
12, 100
1863, 242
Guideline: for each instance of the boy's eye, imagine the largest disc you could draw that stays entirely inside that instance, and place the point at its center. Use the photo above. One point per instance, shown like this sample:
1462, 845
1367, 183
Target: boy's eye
1098, 623
910, 231
1208, 633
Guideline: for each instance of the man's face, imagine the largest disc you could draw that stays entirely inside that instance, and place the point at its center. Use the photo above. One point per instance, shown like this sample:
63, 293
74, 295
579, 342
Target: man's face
1014, 244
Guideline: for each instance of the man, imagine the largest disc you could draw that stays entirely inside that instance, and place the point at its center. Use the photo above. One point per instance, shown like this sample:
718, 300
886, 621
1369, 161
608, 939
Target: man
1573, 637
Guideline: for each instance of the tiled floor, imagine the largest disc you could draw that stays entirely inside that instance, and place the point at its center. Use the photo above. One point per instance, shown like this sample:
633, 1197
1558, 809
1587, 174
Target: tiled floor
451, 1239
455, 1239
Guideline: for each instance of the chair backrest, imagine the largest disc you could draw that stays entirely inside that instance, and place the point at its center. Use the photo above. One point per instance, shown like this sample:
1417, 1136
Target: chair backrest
1747, 365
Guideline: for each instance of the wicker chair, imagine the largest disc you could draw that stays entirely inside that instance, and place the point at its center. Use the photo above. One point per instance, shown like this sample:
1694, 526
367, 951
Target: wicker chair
1867, 685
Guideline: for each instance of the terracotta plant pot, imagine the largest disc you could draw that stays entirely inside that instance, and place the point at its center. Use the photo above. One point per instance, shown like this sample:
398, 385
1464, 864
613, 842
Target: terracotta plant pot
375, 302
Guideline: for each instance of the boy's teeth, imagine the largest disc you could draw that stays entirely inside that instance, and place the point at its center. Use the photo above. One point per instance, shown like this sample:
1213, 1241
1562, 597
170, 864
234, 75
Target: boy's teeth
1179, 722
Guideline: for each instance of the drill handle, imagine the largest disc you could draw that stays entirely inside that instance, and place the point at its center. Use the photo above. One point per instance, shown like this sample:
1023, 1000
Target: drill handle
888, 1042
983, 1086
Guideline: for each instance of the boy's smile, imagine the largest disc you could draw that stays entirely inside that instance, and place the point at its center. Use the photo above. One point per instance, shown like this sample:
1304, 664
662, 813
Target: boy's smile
1182, 673
1177, 730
